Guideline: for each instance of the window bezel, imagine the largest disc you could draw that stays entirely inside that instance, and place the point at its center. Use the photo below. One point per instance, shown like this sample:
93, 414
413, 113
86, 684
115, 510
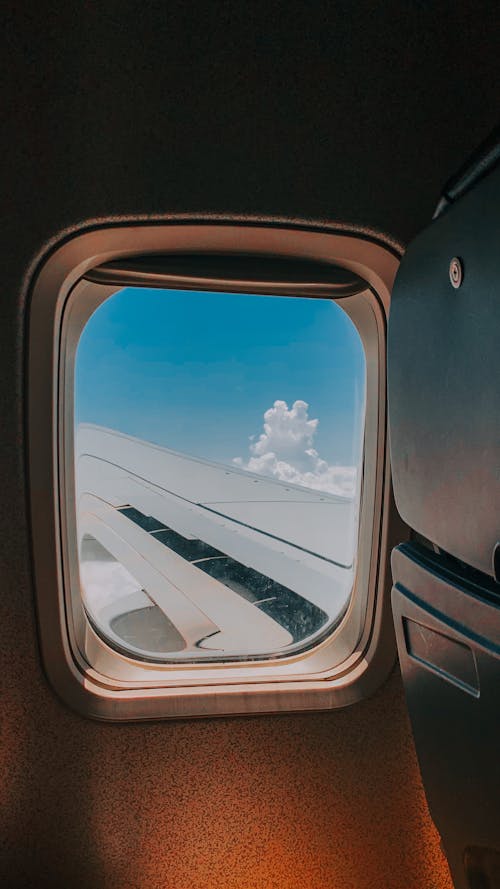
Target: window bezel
202, 689
308, 659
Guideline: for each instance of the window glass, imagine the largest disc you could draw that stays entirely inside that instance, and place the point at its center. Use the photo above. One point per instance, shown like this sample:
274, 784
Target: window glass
218, 469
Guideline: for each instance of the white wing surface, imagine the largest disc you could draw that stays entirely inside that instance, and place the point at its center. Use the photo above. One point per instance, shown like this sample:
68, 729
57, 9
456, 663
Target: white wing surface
186, 558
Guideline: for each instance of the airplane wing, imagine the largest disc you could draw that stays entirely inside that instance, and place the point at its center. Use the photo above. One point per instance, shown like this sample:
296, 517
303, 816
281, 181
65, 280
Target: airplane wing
205, 558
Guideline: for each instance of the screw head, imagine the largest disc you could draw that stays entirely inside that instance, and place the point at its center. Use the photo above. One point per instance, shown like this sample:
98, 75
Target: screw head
456, 272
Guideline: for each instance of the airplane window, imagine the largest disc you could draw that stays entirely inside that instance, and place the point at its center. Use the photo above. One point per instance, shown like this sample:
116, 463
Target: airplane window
218, 469
210, 487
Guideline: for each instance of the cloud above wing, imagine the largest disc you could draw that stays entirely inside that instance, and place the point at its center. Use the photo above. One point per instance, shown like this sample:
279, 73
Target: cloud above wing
285, 451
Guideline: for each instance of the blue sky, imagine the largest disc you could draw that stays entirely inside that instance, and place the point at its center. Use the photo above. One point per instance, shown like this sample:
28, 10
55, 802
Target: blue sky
196, 371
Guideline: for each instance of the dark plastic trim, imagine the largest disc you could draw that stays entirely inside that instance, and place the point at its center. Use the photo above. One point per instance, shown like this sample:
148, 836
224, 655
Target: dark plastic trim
479, 164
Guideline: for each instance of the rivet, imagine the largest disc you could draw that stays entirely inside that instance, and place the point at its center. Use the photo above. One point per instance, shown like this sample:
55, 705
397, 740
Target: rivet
456, 272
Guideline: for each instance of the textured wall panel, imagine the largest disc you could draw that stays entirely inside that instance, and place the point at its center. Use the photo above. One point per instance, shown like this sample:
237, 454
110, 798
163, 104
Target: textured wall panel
330, 801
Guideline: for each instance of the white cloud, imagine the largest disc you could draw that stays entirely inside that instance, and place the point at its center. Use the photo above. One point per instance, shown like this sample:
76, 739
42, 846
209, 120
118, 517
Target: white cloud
285, 451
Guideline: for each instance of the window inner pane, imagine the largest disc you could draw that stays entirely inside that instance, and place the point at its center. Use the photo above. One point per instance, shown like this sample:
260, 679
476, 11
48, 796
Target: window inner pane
218, 467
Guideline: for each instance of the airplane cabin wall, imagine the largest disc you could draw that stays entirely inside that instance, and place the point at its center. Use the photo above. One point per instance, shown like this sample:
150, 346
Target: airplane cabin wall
134, 110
